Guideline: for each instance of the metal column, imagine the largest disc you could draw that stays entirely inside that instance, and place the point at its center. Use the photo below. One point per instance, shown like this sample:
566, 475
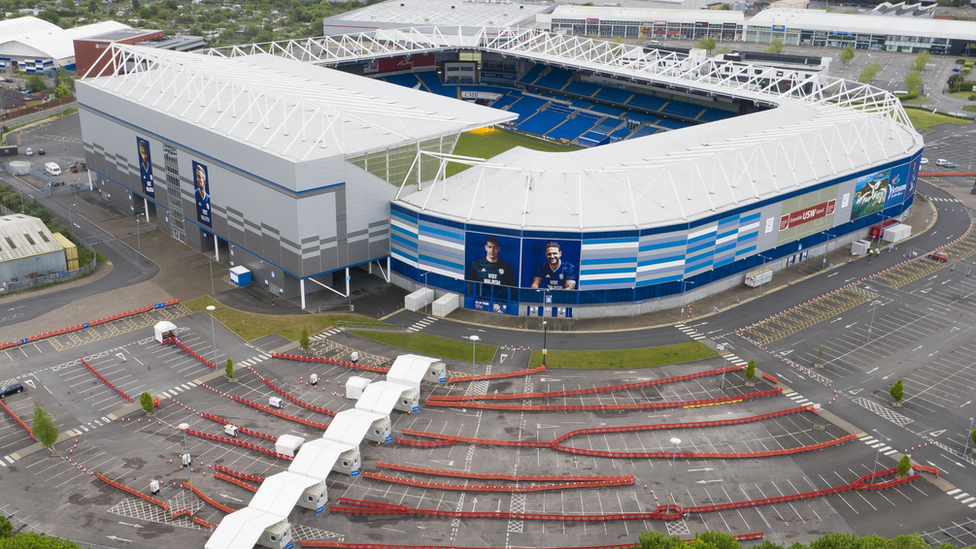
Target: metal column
301, 290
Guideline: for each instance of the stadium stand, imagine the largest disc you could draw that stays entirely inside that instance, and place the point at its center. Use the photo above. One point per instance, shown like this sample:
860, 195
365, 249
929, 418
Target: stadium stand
608, 110
585, 89
680, 108
573, 127
644, 131
648, 102
433, 84
613, 95
542, 122
531, 76
554, 79
504, 101
580, 104
711, 115
641, 117
406, 80
620, 133
526, 106
671, 124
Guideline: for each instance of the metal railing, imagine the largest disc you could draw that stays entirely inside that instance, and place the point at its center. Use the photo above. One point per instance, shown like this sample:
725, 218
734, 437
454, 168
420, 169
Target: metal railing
368, 326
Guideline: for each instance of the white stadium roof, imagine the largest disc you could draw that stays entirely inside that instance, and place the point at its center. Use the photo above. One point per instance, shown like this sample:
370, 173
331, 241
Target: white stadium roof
27, 36
295, 109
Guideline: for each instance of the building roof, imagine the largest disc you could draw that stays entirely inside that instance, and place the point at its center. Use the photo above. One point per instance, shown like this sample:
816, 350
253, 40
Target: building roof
644, 14
49, 41
278, 493
317, 457
241, 529
438, 13
906, 26
12, 29
351, 426
295, 109
23, 236
381, 396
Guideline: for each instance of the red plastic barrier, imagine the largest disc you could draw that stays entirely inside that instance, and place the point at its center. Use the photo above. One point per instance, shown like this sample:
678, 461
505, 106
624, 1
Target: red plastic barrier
301, 403
180, 513
134, 492
238, 474
220, 506
345, 545
302, 358
500, 375
282, 415
494, 476
925, 469
579, 392
233, 480
424, 443
947, 174
598, 407
201, 522
87, 324
490, 488
223, 421
192, 353
107, 382
241, 443
18, 420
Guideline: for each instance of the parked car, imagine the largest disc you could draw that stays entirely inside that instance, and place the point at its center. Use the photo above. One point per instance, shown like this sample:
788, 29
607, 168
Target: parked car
950, 165
939, 256
11, 389
8, 79
925, 161
30, 151
956, 69
941, 162
41, 152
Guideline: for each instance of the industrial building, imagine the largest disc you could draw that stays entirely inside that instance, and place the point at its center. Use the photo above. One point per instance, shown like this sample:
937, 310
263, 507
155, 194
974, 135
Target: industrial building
450, 16
696, 169
35, 45
28, 249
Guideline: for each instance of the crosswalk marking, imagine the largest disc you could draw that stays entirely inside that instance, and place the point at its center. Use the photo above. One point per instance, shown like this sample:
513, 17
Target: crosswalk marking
421, 324
954, 491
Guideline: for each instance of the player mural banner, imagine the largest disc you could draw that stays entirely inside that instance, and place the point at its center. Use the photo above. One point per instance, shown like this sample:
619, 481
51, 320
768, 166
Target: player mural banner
870, 194
202, 193
550, 264
145, 167
492, 260
806, 215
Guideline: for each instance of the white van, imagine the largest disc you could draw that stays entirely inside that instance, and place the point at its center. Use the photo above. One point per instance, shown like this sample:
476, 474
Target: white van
52, 168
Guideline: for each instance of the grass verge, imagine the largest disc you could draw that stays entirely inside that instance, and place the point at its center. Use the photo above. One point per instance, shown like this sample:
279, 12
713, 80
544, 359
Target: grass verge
484, 144
431, 345
623, 359
251, 326
923, 119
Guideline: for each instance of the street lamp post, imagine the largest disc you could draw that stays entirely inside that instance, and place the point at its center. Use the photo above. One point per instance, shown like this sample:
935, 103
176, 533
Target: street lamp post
763, 283
823, 263
213, 332
425, 291
683, 286
185, 458
545, 325
878, 455
674, 454
474, 345
968, 435
871, 325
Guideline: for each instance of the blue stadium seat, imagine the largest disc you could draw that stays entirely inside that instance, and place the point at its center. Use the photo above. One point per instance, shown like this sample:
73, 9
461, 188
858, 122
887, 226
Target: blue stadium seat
593, 139
574, 127
620, 133
555, 79
613, 95
585, 89
542, 122
607, 110
712, 114
641, 117
503, 101
644, 131
649, 102
671, 124
580, 104
433, 83
406, 80
680, 108
532, 75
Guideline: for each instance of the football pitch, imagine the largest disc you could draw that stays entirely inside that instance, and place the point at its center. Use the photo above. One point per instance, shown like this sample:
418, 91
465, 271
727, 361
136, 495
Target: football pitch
486, 144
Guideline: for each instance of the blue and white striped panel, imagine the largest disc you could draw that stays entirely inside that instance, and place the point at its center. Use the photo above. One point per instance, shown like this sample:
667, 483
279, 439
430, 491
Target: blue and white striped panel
441, 250
403, 237
609, 263
725, 240
701, 249
660, 258
748, 234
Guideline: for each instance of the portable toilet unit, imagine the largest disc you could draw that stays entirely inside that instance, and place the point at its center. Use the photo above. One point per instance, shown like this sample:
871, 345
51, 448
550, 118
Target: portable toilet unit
314, 497
355, 387
384, 396
288, 444
352, 426
240, 276
164, 330
277, 536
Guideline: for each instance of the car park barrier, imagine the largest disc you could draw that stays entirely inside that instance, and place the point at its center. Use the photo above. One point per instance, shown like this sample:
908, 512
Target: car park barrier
180, 513
241, 443
189, 350
500, 375
925, 469
107, 382
201, 522
327, 360
597, 407
424, 443
204, 497
301, 403
489, 488
579, 392
243, 476
132, 491
223, 421
18, 420
89, 324
233, 480
493, 476
263, 408
347, 545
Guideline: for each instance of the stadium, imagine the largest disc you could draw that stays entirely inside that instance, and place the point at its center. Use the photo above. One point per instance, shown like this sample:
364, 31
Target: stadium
660, 171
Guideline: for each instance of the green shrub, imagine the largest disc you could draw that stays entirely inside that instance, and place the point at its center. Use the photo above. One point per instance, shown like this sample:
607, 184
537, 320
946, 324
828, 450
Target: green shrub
960, 60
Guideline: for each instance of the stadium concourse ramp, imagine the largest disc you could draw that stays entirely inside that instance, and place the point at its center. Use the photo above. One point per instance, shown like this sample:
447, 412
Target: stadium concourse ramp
264, 519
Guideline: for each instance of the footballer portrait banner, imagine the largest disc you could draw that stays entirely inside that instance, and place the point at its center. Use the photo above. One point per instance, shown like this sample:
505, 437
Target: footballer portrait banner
550, 264
145, 167
201, 184
492, 261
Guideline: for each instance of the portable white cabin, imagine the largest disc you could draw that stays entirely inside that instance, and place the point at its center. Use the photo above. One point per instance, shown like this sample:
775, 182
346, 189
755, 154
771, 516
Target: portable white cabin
384, 396
164, 330
248, 526
288, 444
352, 426
418, 299
314, 497
279, 493
318, 457
897, 233
355, 387
437, 372
410, 370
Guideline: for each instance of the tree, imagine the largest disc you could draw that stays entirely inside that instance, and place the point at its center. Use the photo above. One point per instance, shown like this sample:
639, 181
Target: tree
706, 43
303, 341
93, 6
146, 401
972, 436
897, 391
870, 72
35, 83
50, 15
776, 46
33, 540
847, 55
922, 59
43, 428
751, 370
61, 92
904, 465
229, 368
136, 6
913, 81
6, 529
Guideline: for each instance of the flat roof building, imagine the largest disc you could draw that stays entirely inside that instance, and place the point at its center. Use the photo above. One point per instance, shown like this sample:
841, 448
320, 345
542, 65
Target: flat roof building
451, 16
